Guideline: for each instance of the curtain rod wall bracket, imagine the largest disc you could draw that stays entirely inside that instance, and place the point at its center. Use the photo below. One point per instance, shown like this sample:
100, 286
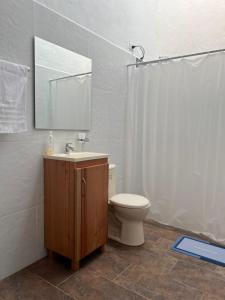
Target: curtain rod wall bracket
141, 48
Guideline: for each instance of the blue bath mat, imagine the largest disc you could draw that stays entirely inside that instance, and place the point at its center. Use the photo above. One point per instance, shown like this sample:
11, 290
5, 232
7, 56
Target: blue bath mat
200, 249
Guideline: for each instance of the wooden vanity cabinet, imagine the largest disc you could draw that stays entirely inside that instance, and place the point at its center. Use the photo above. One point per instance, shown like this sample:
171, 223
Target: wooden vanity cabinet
75, 207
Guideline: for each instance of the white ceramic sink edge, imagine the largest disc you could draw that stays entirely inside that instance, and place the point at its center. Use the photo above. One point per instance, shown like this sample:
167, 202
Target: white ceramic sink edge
77, 156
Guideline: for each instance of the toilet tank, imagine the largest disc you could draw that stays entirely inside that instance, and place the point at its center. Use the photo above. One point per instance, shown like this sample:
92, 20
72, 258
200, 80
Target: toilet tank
112, 180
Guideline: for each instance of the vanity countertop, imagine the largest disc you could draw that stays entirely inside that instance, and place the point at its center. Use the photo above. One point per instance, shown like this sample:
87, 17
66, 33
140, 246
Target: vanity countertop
77, 156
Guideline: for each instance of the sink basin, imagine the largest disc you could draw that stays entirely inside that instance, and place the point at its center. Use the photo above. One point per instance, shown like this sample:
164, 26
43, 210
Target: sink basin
77, 156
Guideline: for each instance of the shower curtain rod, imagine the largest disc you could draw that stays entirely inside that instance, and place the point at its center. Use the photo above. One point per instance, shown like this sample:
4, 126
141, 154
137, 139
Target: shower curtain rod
70, 76
175, 57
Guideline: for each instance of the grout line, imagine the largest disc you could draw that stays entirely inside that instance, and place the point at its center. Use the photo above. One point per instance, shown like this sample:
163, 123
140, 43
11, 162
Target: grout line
132, 291
60, 283
112, 280
118, 275
171, 268
97, 273
187, 286
52, 285
22, 210
61, 290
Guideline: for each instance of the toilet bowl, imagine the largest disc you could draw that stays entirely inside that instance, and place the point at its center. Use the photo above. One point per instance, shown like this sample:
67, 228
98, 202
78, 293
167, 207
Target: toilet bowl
130, 210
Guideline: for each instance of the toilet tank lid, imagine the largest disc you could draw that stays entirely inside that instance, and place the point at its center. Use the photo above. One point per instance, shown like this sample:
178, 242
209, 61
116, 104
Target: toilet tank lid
130, 201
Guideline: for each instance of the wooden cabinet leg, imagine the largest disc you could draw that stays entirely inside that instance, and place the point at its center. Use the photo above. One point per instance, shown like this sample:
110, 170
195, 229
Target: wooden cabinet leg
75, 265
50, 253
102, 249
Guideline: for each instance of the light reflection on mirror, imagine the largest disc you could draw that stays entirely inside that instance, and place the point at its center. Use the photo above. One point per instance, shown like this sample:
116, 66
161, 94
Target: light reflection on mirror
62, 88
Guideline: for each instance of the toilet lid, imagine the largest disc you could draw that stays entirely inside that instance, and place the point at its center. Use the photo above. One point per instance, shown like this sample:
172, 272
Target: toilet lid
130, 201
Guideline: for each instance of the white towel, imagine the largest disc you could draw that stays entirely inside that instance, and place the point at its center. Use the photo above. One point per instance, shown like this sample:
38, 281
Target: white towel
13, 80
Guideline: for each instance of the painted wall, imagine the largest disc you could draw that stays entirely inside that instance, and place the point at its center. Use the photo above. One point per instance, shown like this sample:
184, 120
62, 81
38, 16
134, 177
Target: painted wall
62, 60
164, 28
21, 172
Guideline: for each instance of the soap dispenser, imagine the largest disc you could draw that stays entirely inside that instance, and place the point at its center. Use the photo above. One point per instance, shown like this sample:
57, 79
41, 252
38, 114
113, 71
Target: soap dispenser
50, 145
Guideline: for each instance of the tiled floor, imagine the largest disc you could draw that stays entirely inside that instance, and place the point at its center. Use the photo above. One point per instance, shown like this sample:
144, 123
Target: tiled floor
151, 271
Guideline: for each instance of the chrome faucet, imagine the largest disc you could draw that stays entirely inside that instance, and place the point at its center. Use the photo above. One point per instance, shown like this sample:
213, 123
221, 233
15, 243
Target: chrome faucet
69, 148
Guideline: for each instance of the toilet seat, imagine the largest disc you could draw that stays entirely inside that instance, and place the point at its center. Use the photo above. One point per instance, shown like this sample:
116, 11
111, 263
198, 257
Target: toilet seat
130, 201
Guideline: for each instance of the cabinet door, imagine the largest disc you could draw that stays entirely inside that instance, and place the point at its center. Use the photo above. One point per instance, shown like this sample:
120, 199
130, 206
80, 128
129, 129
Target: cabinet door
94, 208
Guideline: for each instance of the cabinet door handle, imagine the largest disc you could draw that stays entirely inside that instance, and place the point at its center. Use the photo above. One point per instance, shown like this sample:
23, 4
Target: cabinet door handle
83, 186
84, 181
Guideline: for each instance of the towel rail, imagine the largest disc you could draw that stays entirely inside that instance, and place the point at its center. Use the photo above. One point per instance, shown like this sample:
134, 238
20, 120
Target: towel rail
12, 63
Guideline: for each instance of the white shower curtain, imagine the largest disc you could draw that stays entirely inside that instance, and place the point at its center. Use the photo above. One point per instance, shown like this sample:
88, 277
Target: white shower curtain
70, 102
176, 141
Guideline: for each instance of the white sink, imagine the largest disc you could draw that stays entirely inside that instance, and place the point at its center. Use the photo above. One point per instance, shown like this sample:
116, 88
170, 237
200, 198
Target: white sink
77, 156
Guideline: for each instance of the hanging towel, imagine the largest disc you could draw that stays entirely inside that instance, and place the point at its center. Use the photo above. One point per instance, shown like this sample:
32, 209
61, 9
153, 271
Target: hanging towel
13, 80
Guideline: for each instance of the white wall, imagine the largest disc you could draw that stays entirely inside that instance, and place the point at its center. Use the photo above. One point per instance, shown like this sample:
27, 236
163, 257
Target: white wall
164, 28
62, 60
21, 171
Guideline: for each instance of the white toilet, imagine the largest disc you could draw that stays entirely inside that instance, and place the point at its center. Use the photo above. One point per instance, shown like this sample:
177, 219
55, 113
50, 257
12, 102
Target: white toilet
130, 210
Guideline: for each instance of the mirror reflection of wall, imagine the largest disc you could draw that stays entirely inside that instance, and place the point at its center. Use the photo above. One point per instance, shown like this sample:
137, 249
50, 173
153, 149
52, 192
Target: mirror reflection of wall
62, 88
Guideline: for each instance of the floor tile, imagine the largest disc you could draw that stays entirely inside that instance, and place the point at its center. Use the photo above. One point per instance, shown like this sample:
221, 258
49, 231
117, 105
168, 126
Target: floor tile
211, 297
163, 245
163, 231
130, 276
159, 263
170, 232
155, 285
106, 264
220, 270
200, 278
26, 286
196, 262
151, 271
53, 270
88, 285
150, 235
164, 287
132, 255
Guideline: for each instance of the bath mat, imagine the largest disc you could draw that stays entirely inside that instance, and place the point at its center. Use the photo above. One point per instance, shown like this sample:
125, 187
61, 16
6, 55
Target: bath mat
200, 249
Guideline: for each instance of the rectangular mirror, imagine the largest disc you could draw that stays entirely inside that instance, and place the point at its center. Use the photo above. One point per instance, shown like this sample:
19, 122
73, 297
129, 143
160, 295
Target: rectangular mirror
62, 88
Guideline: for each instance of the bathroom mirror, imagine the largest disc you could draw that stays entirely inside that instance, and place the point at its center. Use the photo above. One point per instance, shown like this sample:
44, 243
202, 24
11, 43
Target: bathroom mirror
62, 88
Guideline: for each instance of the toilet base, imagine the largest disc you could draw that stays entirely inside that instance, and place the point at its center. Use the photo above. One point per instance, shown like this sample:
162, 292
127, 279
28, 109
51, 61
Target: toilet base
132, 234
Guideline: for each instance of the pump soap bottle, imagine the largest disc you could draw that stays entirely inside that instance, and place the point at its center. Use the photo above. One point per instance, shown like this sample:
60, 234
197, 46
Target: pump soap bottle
50, 145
